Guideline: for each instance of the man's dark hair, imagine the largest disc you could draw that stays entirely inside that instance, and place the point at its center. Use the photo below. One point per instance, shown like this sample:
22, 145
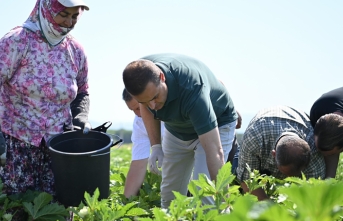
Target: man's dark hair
126, 96
293, 151
329, 132
138, 74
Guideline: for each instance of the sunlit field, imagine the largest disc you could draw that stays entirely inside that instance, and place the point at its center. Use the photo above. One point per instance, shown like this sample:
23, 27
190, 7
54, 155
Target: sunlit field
292, 199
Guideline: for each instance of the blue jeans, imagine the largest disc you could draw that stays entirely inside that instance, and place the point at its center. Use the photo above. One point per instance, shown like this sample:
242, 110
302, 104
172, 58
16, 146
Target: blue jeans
233, 156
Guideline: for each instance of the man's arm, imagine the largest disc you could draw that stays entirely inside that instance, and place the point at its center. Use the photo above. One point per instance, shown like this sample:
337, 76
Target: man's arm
135, 177
152, 126
249, 156
259, 192
210, 141
331, 163
239, 120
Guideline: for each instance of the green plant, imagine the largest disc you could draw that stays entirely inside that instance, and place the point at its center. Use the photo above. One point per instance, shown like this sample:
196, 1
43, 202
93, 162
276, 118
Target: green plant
291, 199
191, 208
106, 209
42, 209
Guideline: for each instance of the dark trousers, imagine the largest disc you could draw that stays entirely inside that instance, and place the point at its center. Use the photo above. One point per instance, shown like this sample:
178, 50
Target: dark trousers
233, 155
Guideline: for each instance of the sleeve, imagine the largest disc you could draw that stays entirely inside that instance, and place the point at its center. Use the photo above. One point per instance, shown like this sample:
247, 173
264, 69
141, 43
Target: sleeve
249, 153
80, 105
162, 129
316, 168
140, 140
329, 102
201, 113
13, 46
82, 77
80, 109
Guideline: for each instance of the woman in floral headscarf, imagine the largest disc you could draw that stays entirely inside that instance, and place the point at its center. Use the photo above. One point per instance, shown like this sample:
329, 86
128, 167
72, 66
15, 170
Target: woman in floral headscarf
43, 86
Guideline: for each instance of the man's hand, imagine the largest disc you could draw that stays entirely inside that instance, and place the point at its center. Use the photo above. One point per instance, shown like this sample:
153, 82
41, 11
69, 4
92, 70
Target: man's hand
239, 121
156, 155
259, 192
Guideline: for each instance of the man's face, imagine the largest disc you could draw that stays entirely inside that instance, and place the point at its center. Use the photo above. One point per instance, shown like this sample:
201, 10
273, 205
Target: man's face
334, 151
288, 171
154, 96
134, 106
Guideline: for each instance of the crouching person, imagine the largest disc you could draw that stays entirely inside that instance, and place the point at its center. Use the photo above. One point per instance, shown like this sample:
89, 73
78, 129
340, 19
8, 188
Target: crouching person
279, 141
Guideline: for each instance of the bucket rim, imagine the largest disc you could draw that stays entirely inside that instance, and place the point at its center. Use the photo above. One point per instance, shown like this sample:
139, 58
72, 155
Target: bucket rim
109, 145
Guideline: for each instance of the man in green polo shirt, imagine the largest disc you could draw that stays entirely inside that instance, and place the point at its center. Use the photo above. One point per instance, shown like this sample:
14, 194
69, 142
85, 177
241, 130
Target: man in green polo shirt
198, 113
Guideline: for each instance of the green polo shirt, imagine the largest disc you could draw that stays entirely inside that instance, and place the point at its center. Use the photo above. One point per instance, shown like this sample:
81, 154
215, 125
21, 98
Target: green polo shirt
197, 101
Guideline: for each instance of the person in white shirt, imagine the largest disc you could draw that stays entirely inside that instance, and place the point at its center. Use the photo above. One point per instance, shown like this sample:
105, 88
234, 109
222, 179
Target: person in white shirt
140, 149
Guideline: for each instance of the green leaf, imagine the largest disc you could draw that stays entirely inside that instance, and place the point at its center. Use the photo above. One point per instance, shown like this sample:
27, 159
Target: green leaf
226, 217
128, 206
179, 196
296, 180
41, 209
234, 189
224, 177
205, 184
117, 178
276, 212
159, 214
210, 215
116, 215
258, 208
92, 201
41, 200
3, 197
12, 204
143, 219
51, 218
52, 209
193, 189
136, 212
243, 205
308, 198
29, 208
28, 196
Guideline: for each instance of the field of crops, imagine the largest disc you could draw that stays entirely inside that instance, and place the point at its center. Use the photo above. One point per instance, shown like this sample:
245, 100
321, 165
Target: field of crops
291, 199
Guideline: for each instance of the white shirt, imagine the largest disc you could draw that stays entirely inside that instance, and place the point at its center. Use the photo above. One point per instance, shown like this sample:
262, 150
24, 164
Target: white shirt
140, 139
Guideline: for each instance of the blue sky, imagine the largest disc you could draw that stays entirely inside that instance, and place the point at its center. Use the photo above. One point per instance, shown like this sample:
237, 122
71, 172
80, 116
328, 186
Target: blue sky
266, 52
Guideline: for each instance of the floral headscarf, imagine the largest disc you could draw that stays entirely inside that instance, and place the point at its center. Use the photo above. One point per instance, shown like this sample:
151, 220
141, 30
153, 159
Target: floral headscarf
41, 19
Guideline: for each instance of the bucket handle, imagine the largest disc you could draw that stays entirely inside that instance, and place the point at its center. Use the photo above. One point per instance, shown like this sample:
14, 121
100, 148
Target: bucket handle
118, 141
103, 127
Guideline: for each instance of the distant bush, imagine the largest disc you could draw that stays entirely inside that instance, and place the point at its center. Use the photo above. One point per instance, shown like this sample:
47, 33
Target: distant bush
123, 134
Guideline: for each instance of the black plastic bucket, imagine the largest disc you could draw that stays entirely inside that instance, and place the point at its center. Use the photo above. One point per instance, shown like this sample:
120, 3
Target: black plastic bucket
80, 163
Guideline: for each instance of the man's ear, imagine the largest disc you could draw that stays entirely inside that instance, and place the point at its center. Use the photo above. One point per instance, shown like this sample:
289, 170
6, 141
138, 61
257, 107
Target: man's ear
273, 153
162, 77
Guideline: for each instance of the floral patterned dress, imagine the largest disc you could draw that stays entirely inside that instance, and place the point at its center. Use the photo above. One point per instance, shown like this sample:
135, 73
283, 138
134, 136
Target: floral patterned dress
38, 81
